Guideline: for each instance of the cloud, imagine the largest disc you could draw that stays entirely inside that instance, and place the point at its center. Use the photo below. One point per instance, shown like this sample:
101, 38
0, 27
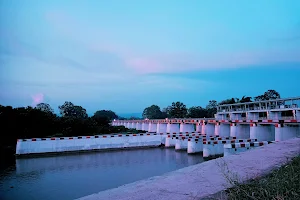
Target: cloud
190, 62
141, 61
37, 98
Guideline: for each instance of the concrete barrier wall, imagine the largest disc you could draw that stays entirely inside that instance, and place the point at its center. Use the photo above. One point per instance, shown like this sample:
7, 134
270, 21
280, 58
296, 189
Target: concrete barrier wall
85, 143
231, 149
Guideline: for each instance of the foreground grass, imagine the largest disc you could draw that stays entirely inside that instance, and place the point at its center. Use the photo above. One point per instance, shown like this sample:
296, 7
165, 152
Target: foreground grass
283, 183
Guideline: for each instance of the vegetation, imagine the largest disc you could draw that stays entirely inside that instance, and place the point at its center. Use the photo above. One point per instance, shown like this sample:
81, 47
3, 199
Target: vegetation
41, 121
179, 110
283, 183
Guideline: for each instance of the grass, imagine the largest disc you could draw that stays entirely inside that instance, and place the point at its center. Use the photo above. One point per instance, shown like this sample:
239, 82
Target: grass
281, 184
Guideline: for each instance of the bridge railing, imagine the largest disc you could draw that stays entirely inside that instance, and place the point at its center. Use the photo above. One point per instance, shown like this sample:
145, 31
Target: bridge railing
206, 119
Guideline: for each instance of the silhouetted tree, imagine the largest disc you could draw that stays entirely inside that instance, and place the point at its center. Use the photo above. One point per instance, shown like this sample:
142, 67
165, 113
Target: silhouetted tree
228, 101
268, 95
44, 107
245, 99
106, 113
211, 108
197, 112
177, 110
68, 109
152, 112
39, 122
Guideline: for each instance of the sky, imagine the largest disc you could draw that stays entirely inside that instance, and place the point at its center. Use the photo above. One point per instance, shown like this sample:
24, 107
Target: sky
125, 55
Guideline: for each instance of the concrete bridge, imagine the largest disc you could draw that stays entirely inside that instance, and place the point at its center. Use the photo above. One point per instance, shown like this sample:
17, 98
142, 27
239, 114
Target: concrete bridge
270, 120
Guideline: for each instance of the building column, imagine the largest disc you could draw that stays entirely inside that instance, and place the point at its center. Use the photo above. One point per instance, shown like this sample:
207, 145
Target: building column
233, 130
296, 114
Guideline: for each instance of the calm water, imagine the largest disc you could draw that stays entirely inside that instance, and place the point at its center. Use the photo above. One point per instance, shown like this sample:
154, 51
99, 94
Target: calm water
73, 176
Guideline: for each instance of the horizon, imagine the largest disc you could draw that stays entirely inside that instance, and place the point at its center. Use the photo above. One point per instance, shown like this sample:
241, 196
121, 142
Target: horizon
140, 114
125, 57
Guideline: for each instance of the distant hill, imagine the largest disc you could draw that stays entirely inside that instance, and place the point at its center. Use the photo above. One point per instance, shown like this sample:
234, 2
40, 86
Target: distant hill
127, 115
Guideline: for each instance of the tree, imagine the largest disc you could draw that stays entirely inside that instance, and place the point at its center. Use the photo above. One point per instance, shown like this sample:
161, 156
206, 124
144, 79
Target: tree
165, 112
68, 109
268, 95
152, 112
45, 108
259, 98
177, 110
212, 104
106, 113
211, 108
228, 101
245, 99
197, 112
271, 94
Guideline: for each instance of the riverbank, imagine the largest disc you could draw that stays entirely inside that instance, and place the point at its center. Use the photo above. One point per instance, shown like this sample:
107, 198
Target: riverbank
208, 178
283, 183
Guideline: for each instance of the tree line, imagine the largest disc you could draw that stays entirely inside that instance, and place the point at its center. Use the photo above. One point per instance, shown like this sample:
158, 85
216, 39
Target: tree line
179, 110
41, 121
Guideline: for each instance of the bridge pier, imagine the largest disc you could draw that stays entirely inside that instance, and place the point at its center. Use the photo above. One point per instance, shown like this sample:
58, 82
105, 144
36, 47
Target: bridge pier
145, 126
198, 128
138, 126
173, 128
161, 128
170, 141
262, 132
186, 128
133, 125
222, 130
195, 145
208, 129
286, 131
152, 128
181, 143
240, 131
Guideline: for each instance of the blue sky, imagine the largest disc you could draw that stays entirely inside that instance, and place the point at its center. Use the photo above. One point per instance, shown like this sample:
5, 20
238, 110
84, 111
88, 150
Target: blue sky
127, 55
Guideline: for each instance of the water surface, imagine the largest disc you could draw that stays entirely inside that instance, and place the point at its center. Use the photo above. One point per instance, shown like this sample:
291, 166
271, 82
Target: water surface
77, 175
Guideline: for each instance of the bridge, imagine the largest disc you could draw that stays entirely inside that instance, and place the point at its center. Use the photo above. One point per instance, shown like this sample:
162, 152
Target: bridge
269, 120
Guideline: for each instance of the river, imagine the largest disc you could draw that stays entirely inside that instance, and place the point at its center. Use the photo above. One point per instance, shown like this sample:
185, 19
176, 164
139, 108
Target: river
76, 175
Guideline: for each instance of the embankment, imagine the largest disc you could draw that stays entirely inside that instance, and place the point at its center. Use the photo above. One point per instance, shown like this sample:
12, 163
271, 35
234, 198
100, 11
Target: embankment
202, 180
87, 143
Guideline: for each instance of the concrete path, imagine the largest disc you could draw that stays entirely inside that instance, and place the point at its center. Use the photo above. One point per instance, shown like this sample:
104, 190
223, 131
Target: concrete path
204, 179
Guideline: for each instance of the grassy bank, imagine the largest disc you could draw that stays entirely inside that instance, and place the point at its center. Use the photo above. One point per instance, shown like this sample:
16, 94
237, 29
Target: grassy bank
283, 183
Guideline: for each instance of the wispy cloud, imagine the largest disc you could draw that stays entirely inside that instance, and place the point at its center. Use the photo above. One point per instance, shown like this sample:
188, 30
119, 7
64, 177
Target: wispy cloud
12, 46
140, 62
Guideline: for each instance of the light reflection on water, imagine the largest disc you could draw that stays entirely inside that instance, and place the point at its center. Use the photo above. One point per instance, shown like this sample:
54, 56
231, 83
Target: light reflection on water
76, 175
